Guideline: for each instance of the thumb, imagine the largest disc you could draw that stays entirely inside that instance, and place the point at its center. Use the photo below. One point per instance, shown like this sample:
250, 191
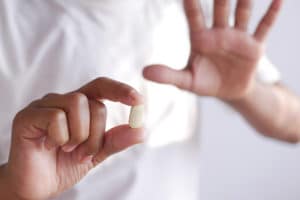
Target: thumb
166, 75
118, 139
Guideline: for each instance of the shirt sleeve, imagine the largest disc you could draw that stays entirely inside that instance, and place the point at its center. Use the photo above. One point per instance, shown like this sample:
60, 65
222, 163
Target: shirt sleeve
267, 72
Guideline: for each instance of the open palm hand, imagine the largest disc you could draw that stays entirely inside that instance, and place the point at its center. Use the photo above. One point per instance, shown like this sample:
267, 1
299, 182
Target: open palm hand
223, 58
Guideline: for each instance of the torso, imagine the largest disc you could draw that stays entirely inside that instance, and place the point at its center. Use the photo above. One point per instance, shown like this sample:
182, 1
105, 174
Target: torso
50, 46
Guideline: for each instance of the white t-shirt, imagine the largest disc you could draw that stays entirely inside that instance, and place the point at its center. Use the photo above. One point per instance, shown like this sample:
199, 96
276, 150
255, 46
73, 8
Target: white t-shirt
58, 45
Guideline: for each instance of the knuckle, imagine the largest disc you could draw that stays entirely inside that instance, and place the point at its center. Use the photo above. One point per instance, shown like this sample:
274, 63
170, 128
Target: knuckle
35, 103
77, 99
19, 117
50, 95
101, 79
61, 139
79, 138
57, 116
100, 110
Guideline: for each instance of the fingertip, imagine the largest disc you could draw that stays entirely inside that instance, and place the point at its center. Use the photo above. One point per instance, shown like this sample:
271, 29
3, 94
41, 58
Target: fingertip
118, 139
139, 133
136, 134
148, 69
136, 98
277, 4
122, 137
155, 73
147, 72
166, 75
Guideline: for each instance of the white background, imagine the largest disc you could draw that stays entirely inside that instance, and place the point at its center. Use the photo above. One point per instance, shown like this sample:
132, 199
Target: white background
237, 163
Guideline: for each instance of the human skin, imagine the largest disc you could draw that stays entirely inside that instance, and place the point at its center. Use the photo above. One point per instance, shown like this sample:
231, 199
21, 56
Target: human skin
58, 139
223, 64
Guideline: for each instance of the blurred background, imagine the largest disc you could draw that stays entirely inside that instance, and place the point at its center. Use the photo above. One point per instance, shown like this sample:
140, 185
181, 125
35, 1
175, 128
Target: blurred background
236, 162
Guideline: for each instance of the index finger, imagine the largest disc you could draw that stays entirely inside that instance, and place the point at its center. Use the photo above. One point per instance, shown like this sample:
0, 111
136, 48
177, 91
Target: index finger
105, 88
194, 15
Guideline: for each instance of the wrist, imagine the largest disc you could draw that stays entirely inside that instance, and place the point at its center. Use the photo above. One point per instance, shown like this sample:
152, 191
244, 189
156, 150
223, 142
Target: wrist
247, 96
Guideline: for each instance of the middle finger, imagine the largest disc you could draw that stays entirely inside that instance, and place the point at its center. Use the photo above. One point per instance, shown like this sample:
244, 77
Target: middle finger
221, 13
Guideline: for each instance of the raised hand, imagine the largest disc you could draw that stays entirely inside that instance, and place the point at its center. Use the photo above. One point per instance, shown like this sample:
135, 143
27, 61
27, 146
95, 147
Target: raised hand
223, 58
58, 139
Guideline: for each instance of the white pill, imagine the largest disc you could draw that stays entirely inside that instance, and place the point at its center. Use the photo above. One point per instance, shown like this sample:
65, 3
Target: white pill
136, 117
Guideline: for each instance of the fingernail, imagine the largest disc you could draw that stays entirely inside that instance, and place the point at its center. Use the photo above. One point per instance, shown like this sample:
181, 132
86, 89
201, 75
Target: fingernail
87, 159
68, 148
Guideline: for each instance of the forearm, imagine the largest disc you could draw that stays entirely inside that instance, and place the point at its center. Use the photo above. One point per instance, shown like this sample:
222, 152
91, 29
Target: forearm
5, 190
272, 110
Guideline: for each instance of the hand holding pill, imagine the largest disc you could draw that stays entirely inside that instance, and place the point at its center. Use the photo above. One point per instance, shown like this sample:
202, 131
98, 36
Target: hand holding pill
64, 136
